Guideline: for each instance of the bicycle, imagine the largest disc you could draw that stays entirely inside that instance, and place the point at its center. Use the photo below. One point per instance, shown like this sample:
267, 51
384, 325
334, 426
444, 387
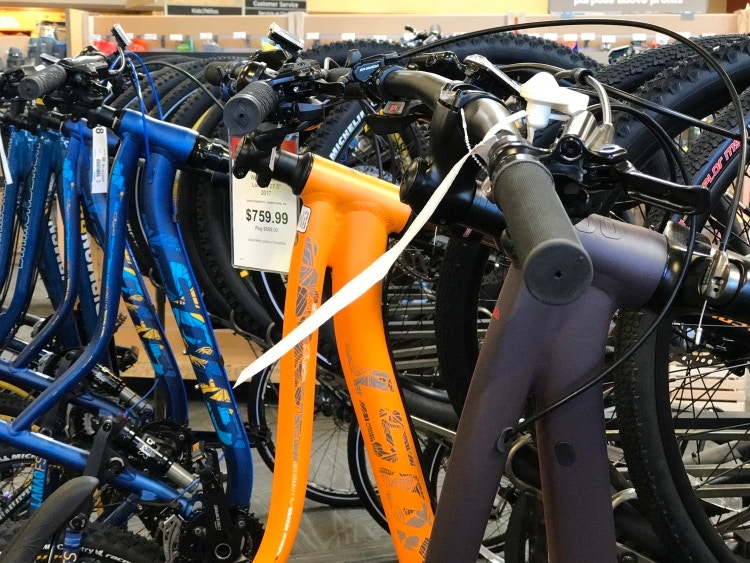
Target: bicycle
710, 148
395, 74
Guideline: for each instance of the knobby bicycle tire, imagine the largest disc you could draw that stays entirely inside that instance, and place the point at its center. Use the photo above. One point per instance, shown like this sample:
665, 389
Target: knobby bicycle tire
654, 458
100, 544
202, 211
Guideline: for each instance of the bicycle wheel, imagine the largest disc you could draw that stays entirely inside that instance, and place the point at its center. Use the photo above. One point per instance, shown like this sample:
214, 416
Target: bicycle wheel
16, 468
329, 480
685, 446
100, 544
686, 453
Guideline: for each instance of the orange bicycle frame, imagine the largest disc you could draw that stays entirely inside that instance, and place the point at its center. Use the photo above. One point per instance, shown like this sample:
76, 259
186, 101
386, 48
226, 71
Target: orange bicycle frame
349, 218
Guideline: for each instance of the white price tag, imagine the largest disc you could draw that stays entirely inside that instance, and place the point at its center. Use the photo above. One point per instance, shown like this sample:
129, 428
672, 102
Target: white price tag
348, 36
263, 225
264, 221
312, 35
150, 37
205, 36
239, 35
639, 37
7, 179
550, 36
176, 37
588, 36
99, 161
569, 37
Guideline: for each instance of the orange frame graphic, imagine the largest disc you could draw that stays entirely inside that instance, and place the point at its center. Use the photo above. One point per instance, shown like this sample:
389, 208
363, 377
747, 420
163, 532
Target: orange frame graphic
349, 218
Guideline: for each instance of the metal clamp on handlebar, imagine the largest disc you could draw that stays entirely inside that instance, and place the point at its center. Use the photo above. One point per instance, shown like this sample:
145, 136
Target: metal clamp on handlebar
292, 169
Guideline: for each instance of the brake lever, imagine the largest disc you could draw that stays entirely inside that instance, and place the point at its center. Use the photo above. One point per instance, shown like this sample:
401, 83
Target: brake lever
687, 200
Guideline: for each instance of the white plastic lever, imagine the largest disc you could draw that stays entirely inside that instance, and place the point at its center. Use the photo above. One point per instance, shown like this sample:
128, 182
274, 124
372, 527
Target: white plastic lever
543, 94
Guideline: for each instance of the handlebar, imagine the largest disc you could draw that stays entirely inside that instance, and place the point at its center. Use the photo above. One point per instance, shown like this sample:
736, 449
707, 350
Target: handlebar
215, 71
46, 81
249, 108
557, 269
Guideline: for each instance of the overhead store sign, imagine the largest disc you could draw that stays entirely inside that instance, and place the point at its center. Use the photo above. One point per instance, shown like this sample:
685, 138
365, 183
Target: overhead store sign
181, 10
272, 7
629, 6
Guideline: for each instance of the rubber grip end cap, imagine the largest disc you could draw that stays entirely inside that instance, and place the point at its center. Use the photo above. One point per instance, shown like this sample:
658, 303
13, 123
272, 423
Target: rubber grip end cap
558, 272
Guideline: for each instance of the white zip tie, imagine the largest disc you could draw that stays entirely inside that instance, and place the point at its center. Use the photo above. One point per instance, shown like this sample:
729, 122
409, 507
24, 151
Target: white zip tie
699, 330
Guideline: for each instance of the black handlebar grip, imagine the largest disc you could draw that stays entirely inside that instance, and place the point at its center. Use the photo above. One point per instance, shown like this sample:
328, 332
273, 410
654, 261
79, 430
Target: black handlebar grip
247, 109
46, 81
216, 71
335, 74
556, 268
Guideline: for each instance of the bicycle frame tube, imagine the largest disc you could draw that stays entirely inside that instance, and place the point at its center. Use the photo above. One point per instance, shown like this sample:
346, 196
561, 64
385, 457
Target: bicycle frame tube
60, 318
47, 158
170, 148
350, 218
137, 300
123, 171
21, 151
527, 352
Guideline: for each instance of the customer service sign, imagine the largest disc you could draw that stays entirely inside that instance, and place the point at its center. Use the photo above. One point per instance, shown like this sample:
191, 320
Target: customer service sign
271, 7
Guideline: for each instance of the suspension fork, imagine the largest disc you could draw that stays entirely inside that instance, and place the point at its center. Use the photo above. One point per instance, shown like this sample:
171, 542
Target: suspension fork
545, 352
350, 217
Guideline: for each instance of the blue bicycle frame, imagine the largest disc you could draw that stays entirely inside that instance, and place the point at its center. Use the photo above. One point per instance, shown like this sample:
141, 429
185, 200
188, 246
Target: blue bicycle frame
169, 148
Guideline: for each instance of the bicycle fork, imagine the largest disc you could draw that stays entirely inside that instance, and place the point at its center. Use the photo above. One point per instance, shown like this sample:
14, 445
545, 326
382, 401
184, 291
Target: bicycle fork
346, 226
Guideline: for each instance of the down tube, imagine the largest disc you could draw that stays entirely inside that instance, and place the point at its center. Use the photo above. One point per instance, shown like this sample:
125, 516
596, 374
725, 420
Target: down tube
297, 387
374, 390
165, 242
